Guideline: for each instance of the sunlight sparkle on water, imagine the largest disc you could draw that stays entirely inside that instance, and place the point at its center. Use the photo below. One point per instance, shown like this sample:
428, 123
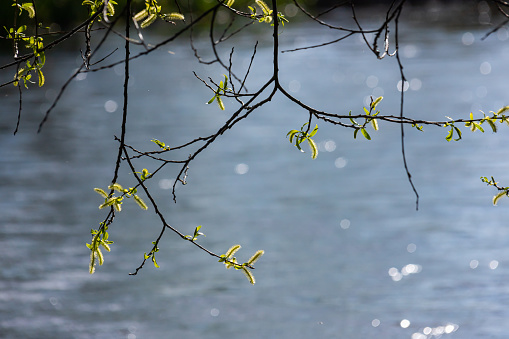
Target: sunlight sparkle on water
405, 86
406, 270
410, 51
110, 106
404, 323
467, 39
294, 86
372, 81
377, 92
327, 146
340, 162
345, 224
411, 248
415, 84
241, 169
435, 332
166, 184
503, 34
485, 68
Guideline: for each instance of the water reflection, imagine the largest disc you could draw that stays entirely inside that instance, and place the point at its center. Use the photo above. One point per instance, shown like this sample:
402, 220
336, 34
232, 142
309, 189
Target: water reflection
437, 332
330, 227
397, 275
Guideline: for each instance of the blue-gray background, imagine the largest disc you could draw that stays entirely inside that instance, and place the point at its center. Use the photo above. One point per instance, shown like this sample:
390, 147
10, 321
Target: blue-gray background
337, 231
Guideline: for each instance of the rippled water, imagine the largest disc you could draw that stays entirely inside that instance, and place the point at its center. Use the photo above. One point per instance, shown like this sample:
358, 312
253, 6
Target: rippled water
346, 254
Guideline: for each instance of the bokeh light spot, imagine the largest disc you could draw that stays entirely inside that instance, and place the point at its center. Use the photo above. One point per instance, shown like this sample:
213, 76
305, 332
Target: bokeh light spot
485, 68
467, 39
110, 106
241, 169
405, 323
345, 224
340, 162
165, 184
411, 248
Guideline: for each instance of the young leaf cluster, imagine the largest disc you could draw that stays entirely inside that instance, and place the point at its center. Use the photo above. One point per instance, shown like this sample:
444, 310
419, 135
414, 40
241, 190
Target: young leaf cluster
33, 43
97, 5
230, 261
100, 236
100, 239
298, 137
152, 11
370, 119
502, 191
116, 202
222, 89
266, 15
160, 144
476, 124
27, 6
152, 254
196, 234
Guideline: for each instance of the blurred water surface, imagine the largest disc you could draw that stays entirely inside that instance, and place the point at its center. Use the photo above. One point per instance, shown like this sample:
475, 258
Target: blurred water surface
346, 254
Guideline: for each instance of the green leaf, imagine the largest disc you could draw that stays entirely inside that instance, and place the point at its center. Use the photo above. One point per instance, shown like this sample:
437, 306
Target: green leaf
497, 197
220, 103
478, 127
232, 251
140, 202
149, 20
297, 144
355, 133
154, 261
41, 77
91, 266
374, 124
365, 133
174, 16
101, 192
449, 135
492, 125
502, 110
248, 275
351, 119
99, 255
29, 8
117, 205
313, 132
225, 82
116, 187
291, 135
376, 102
108, 203
458, 131
212, 100
292, 132
314, 149
141, 15
255, 257
105, 246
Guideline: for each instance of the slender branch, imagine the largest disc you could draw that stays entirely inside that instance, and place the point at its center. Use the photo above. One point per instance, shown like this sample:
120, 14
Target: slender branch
126, 84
